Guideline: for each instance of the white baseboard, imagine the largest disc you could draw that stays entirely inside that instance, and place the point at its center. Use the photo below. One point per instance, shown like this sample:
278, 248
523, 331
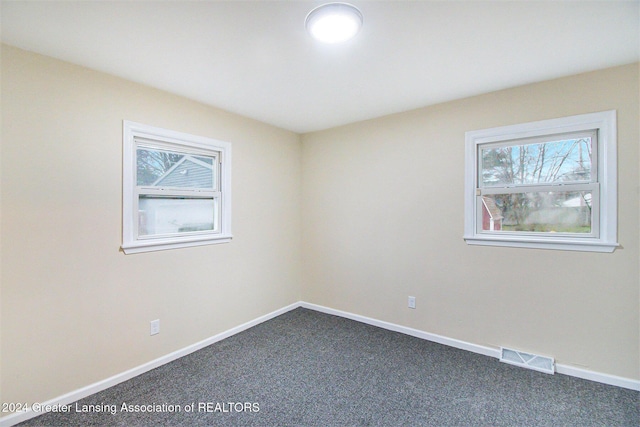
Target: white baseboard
598, 377
81, 393
451, 342
475, 348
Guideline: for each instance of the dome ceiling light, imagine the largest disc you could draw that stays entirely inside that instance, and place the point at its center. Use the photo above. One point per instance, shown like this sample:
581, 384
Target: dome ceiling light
334, 22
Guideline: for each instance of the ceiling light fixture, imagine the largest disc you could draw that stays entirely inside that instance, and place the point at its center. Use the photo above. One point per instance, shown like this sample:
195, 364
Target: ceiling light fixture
334, 22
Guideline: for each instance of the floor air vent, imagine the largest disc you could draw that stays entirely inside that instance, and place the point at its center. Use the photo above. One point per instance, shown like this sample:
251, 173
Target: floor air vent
526, 360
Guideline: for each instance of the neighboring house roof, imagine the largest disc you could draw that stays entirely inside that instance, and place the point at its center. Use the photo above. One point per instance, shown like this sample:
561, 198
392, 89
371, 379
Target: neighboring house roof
492, 208
187, 172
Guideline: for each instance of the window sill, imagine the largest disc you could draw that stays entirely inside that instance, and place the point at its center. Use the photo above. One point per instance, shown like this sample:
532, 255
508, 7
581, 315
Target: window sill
533, 243
166, 244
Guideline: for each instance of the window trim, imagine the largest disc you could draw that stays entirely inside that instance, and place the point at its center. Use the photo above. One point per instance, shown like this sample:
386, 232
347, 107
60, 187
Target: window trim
135, 134
605, 124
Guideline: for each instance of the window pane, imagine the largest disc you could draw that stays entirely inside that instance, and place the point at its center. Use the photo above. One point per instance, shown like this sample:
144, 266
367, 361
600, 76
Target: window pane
173, 215
566, 160
171, 169
543, 212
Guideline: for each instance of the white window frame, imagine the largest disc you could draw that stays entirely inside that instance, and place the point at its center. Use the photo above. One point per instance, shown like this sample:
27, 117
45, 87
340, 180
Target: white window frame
603, 237
139, 135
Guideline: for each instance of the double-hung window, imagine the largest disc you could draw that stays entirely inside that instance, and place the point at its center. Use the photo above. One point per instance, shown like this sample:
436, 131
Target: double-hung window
176, 189
548, 184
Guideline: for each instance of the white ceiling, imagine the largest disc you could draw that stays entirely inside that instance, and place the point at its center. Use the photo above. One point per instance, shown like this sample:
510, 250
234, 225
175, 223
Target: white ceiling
254, 58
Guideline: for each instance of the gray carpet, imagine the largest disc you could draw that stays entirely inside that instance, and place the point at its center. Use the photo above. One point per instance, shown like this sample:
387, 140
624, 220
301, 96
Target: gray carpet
306, 368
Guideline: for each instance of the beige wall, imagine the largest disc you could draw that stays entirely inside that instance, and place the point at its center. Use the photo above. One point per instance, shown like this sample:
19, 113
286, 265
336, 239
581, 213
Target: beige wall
76, 310
383, 219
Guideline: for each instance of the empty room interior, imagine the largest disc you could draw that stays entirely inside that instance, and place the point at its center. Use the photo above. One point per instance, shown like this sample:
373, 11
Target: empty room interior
175, 174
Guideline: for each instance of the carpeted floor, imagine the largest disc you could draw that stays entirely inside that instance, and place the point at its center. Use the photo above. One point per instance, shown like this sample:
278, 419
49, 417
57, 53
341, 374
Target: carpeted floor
306, 368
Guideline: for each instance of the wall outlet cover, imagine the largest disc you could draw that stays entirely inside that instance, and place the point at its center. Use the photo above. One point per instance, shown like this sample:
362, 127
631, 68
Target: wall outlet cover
155, 327
412, 302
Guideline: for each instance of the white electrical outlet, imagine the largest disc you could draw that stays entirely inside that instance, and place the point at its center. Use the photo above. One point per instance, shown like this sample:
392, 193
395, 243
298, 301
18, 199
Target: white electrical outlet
412, 302
155, 327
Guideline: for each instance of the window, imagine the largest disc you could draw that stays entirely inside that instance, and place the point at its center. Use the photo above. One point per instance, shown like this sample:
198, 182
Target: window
176, 189
548, 184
